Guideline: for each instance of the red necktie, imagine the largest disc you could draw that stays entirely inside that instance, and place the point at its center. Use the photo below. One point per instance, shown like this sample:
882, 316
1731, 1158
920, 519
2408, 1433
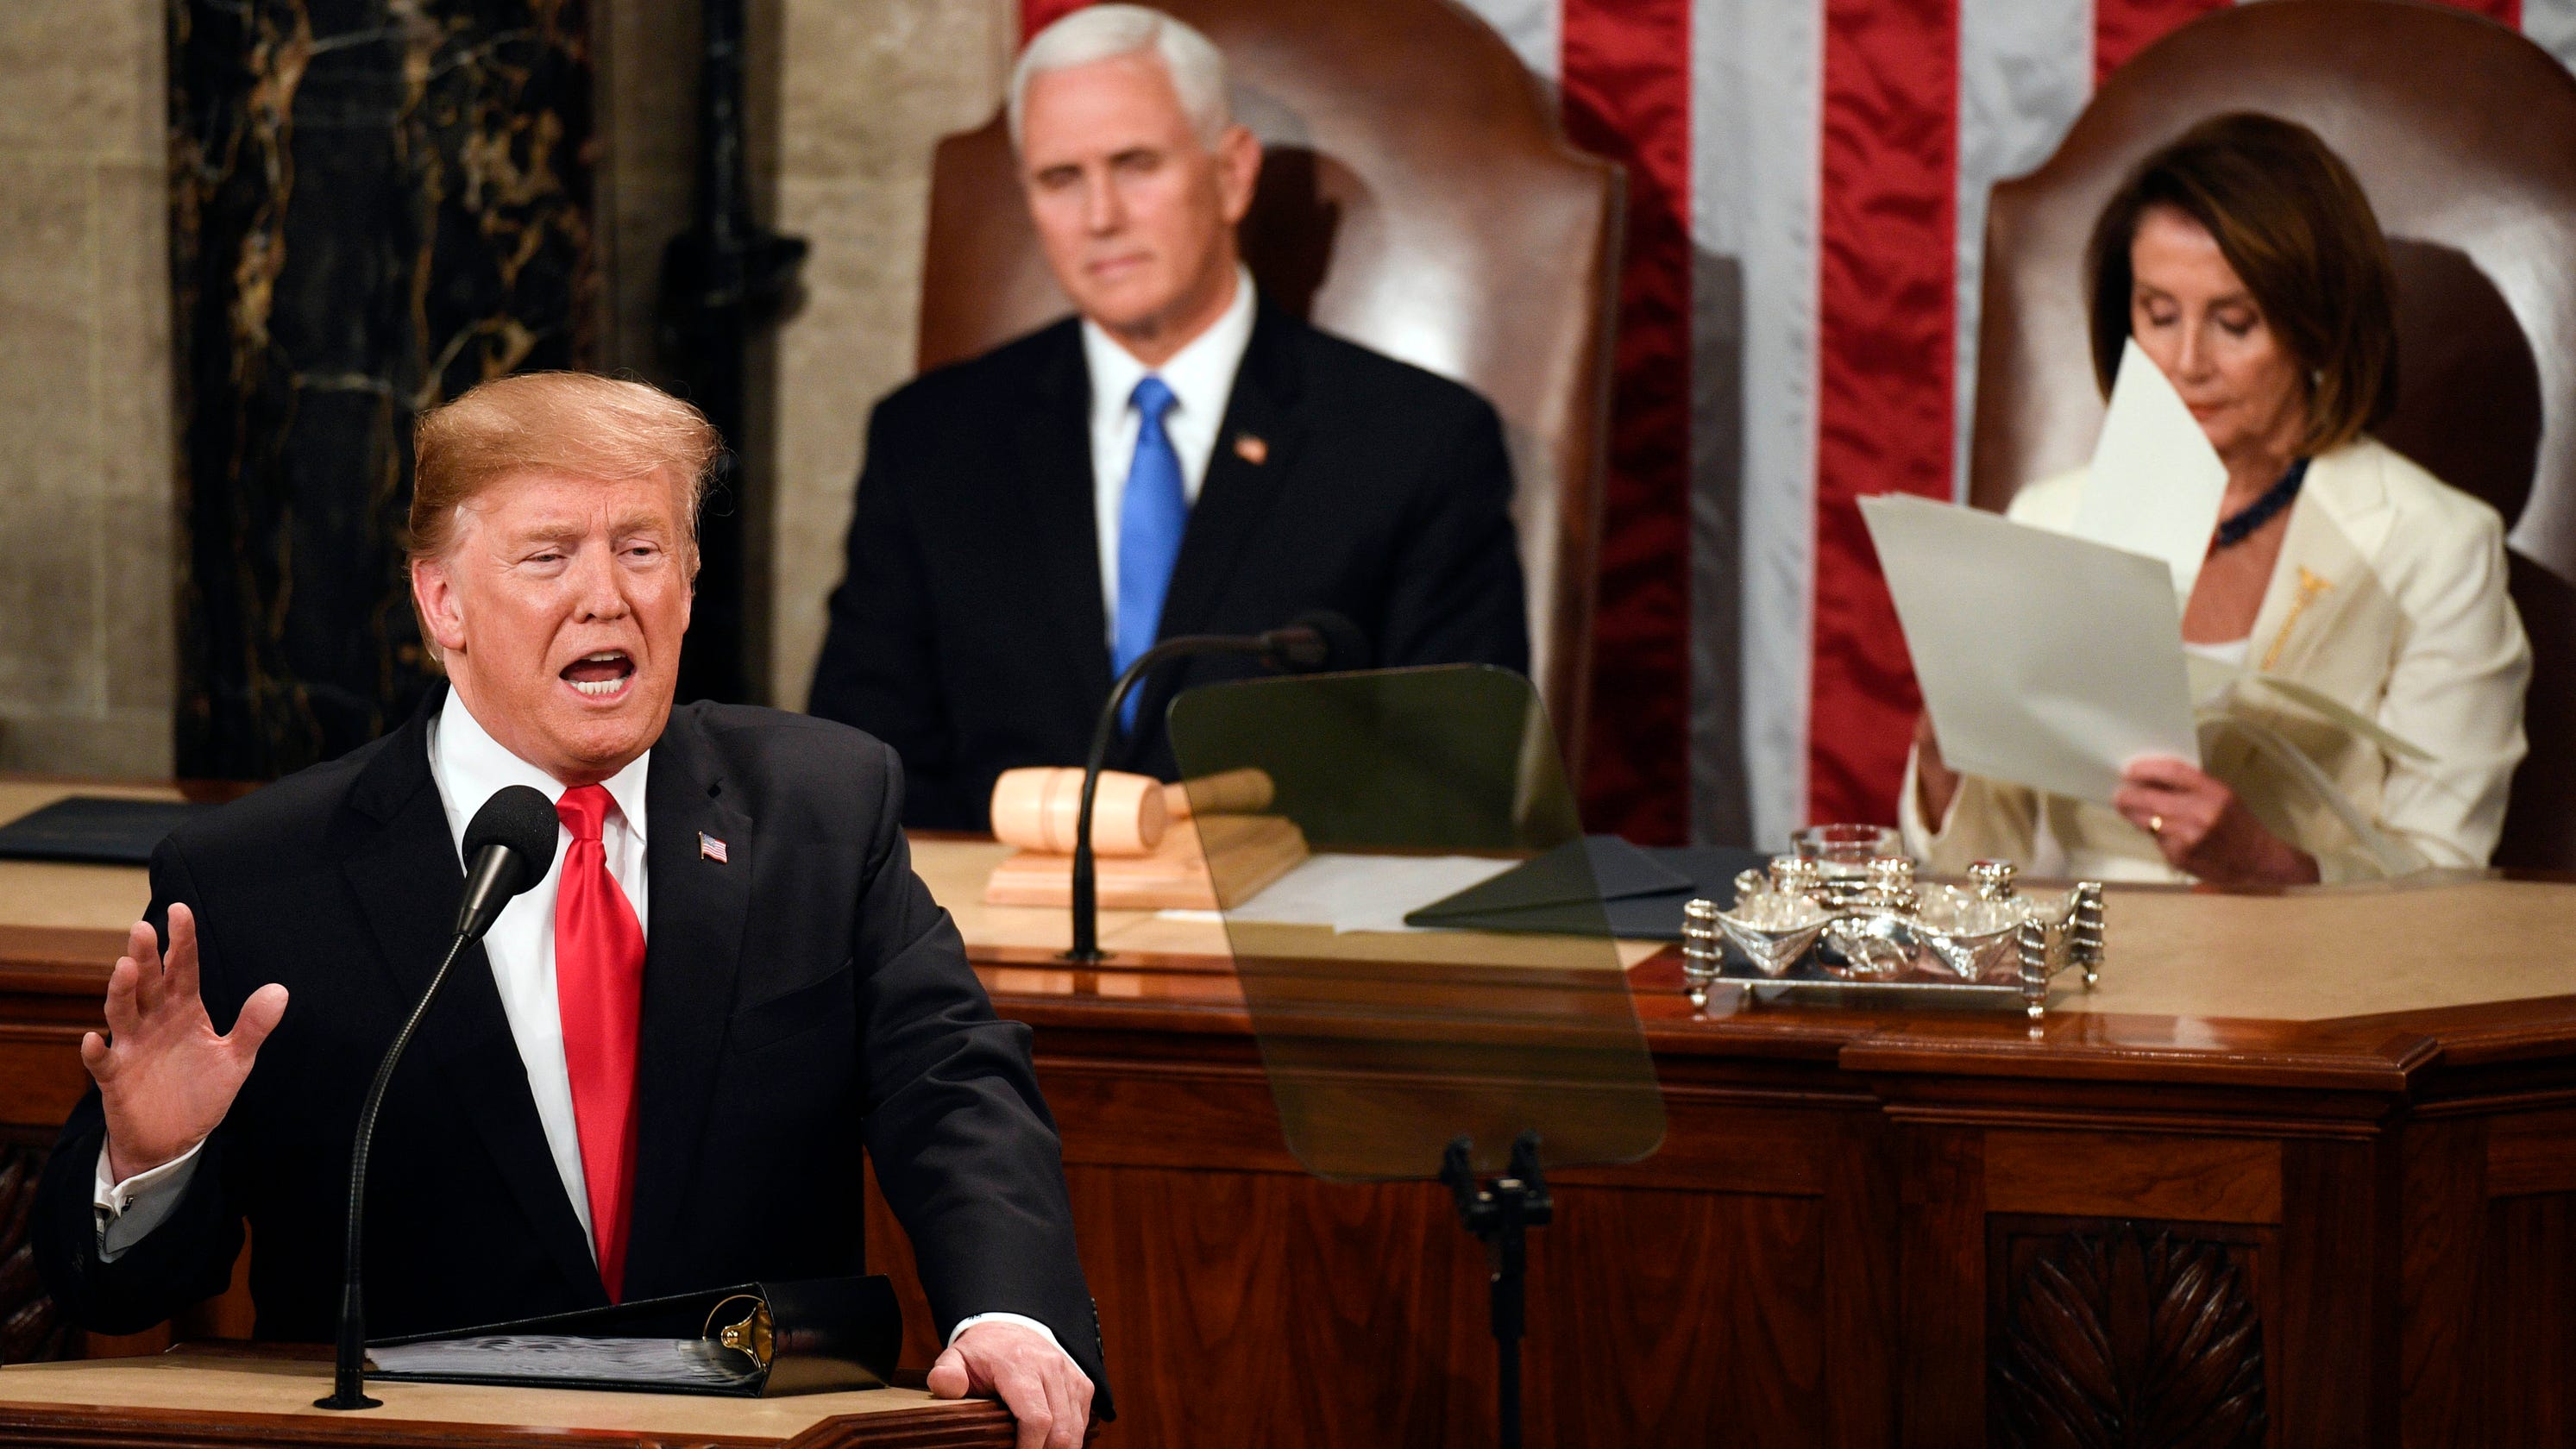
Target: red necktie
599, 989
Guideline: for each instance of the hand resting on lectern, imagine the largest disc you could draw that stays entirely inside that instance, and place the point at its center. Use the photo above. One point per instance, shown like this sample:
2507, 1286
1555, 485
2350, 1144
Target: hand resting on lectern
165, 1077
1049, 1397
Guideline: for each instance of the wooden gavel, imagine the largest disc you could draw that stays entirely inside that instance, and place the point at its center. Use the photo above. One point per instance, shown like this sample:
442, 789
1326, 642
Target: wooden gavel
1036, 807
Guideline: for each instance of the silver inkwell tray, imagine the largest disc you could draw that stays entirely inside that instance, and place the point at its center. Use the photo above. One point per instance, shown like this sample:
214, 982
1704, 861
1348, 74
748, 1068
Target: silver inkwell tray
1844, 920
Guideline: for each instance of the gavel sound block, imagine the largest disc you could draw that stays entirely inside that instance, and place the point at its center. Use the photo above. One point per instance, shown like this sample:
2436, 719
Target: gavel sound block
1151, 850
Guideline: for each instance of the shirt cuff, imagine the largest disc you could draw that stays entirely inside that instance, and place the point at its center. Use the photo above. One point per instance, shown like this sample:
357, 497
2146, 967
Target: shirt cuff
1042, 1330
127, 1211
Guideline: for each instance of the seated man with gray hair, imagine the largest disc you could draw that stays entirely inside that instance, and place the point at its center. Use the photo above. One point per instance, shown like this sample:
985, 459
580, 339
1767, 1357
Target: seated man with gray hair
1181, 458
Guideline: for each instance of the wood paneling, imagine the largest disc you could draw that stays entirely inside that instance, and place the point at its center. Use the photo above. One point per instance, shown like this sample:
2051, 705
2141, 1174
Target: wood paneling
41, 1076
1941, 1224
2119, 1175
2525, 1336
2532, 1152
2335, 1330
1863, 1289
2445, 1191
1701, 1314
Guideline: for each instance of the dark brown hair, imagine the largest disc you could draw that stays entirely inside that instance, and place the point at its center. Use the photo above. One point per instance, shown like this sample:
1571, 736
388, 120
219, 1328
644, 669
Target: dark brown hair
2293, 223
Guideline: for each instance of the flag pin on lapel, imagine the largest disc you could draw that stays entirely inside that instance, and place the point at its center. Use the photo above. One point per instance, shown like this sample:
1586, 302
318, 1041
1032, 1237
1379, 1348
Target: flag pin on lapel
710, 848
1251, 449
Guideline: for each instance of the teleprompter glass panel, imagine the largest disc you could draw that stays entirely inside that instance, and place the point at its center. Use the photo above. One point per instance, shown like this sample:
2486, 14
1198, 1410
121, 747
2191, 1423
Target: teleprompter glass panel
1383, 1041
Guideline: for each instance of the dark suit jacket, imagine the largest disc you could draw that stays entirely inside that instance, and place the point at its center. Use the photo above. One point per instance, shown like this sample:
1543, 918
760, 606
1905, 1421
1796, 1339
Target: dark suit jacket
969, 631
802, 998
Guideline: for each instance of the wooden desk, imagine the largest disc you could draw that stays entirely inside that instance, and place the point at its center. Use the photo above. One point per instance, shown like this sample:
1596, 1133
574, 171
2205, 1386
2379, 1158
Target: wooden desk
211, 1399
2306, 1161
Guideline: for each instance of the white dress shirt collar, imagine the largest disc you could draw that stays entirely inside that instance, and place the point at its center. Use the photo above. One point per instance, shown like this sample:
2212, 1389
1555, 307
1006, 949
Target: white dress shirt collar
1201, 376
469, 765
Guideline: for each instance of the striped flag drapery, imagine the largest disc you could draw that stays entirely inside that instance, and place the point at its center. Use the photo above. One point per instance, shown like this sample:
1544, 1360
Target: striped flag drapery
1807, 188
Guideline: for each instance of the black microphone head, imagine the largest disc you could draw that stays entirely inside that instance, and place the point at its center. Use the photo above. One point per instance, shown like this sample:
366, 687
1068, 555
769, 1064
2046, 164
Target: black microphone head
522, 821
1320, 641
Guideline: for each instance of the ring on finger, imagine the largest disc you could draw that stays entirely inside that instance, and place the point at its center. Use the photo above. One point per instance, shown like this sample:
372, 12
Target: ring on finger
2156, 825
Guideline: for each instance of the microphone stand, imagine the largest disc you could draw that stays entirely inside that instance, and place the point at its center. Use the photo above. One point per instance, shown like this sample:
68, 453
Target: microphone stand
1086, 896
1500, 1212
348, 1374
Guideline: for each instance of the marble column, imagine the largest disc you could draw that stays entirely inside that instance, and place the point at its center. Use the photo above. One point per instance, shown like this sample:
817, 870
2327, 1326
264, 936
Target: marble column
374, 205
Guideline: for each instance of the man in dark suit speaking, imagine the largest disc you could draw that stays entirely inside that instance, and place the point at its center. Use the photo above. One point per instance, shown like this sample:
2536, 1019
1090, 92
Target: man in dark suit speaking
1181, 458
658, 1071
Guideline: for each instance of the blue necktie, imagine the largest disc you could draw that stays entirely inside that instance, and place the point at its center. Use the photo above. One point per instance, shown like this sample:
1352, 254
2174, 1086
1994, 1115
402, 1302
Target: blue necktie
1151, 517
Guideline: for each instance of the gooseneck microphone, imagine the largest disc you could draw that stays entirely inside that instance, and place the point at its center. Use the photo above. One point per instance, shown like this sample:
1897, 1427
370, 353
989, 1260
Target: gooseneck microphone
1311, 643
509, 846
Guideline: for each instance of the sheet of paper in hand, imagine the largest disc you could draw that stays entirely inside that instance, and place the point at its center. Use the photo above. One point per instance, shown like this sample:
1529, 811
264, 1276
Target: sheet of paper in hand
2046, 660
2155, 485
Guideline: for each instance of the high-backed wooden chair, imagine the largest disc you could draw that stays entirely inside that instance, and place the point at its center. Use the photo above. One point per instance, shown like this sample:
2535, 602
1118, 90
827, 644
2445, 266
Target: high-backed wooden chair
2464, 135
1417, 197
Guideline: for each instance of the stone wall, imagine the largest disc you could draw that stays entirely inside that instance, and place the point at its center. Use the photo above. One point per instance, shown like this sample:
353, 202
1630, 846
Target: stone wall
87, 587
848, 98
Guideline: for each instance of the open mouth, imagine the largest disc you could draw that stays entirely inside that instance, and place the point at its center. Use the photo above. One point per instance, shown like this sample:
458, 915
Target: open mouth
603, 675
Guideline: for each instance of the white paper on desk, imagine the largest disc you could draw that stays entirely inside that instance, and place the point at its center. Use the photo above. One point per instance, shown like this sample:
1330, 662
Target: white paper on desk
2156, 484
1365, 892
2046, 660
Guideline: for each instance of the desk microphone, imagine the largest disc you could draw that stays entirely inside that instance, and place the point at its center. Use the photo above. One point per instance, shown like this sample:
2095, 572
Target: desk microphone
509, 846
1311, 643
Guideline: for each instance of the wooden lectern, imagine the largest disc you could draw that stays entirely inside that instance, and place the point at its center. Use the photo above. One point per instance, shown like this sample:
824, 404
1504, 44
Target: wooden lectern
234, 1396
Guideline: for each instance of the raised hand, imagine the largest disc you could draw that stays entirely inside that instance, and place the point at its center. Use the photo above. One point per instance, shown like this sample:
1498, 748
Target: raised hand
1033, 1378
165, 1079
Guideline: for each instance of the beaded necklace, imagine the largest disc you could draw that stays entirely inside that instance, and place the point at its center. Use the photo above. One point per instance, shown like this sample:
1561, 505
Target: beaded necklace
2240, 525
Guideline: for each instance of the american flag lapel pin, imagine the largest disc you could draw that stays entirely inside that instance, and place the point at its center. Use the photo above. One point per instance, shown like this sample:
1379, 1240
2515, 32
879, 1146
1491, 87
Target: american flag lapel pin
710, 848
1251, 449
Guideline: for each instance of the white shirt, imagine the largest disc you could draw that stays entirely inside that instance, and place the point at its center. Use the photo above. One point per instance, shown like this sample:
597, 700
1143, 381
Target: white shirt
1201, 377
468, 765
2231, 653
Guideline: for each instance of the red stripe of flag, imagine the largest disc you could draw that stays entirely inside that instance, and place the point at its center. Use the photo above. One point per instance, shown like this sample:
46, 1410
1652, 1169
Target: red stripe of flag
1625, 71
1037, 15
1885, 279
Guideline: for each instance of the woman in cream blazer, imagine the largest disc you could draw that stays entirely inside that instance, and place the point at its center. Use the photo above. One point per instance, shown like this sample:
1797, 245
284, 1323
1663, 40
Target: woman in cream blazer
2389, 599
2363, 715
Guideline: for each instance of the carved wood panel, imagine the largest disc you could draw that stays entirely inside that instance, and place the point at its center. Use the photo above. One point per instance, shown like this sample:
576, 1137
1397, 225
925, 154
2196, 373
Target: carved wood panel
30, 1326
2124, 1335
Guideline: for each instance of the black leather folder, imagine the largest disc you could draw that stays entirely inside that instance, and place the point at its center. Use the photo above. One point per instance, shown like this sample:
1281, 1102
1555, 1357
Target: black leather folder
94, 830
754, 1340
1582, 886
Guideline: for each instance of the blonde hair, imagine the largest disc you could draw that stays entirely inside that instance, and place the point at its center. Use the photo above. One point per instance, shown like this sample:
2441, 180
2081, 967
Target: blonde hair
558, 422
